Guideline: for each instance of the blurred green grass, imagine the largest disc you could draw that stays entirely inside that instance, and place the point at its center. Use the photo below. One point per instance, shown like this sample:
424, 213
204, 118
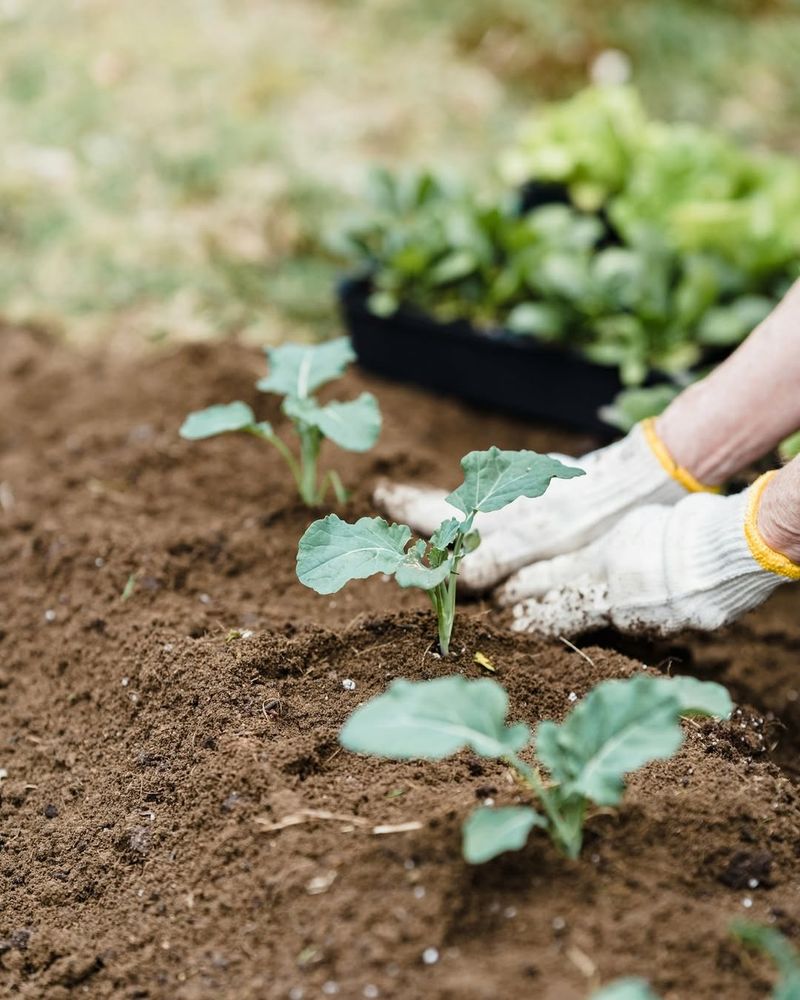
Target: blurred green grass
169, 169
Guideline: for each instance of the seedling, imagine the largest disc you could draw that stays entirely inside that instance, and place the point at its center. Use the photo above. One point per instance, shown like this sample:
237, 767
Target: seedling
296, 371
772, 943
619, 726
332, 551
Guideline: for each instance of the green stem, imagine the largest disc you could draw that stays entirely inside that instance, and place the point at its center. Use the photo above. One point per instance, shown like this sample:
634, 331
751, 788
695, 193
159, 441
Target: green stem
309, 453
446, 610
288, 457
333, 480
567, 836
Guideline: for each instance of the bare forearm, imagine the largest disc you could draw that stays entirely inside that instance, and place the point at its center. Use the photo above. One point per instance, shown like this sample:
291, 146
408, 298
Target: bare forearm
746, 406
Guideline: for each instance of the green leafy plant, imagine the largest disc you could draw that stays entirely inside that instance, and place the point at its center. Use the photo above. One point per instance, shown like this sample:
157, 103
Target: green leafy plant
630, 988
772, 943
619, 726
675, 243
296, 371
332, 551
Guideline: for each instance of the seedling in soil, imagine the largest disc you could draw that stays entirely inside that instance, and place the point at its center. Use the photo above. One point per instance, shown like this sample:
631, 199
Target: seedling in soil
772, 943
332, 551
296, 371
619, 726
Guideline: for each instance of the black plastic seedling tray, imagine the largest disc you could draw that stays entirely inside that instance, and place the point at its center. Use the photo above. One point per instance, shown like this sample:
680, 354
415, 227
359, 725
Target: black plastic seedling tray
496, 369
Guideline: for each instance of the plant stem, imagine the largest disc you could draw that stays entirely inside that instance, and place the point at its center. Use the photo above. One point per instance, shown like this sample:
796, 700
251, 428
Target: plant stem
288, 457
309, 452
445, 603
332, 478
566, 836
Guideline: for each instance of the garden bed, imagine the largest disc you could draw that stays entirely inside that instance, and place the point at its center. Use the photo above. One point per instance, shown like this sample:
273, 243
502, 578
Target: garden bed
159, 747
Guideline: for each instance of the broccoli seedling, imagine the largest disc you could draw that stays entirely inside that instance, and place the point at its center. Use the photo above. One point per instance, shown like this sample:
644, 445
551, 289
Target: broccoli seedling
332, 551
772, 943
619, 726
296, 371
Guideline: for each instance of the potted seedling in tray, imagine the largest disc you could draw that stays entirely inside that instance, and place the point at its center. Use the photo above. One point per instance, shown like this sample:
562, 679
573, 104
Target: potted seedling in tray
332, 551
296, 371
619, 726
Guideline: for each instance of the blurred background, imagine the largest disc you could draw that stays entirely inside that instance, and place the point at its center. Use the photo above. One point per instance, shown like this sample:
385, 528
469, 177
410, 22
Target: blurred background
171, 170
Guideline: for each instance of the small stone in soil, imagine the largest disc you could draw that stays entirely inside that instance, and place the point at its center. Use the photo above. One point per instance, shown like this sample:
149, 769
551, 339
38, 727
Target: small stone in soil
558, 923
747, 902
51, 811
330, 988
49, 615
348, 684
371, 991
430, 956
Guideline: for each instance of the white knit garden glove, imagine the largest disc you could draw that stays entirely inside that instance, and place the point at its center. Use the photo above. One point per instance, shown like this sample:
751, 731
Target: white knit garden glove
627, 474
698, 564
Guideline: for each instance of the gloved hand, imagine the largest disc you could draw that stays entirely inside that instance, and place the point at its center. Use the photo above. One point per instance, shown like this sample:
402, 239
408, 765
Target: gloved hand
627, 474
698, 564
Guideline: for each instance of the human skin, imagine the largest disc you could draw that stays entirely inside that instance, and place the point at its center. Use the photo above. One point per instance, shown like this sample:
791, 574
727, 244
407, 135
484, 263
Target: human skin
744, 408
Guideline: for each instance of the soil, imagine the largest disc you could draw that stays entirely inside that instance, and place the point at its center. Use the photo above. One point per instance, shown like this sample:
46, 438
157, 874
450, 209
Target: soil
170, 698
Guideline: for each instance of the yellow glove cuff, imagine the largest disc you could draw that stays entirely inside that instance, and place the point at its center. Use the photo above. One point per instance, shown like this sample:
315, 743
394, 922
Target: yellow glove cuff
765, 556
670, 466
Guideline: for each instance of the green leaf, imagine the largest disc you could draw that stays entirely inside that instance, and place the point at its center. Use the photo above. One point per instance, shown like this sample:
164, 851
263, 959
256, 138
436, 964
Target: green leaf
299, 369
771, 942
453, 267
333, 552
631, 988
489, 832
383, 304
789, 448
632, 405
537, 319
472, 540
413, 573
494, 478
221, 419
728, 325
696, 697
354, 425
618, 727
434, 719
446, 533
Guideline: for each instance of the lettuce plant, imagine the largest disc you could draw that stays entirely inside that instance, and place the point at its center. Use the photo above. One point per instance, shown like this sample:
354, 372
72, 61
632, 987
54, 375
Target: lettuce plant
332, 551
295, 372
673, 242
619, 726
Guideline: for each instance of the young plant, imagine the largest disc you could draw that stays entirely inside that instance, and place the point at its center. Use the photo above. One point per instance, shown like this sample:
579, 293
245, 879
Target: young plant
619, 726
332, 551
296, 371
772, 943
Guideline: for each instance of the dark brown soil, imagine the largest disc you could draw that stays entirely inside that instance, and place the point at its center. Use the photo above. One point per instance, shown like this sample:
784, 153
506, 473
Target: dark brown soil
149, 746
